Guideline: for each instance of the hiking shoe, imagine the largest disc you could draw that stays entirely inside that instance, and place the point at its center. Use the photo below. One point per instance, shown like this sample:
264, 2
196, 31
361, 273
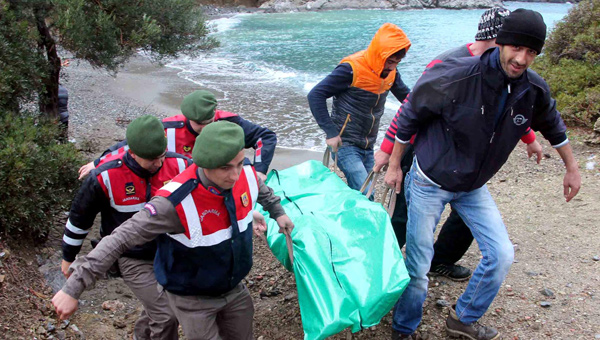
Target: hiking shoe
451, 271
456, 329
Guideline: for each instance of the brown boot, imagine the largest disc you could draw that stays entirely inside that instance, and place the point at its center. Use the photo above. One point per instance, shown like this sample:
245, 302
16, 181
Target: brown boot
474, 331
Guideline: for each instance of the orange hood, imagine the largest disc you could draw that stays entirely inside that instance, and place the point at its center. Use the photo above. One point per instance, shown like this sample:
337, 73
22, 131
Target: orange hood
388, 40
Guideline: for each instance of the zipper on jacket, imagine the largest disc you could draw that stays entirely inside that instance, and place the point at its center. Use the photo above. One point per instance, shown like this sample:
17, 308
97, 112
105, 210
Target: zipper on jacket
372, 116
372, 122
506, 111
345, 124
148, 189
494, 133
514, 100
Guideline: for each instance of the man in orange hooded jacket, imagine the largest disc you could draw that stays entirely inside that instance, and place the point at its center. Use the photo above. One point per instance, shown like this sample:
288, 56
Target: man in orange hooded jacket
359, 86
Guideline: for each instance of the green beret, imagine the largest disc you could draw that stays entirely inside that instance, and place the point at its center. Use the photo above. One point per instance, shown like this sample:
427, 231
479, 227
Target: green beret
146, 137
218, 144
199, 106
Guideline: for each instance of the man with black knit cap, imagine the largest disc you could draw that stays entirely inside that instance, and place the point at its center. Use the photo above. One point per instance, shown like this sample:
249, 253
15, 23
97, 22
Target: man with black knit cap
198, 109
454, 238
468, 114
117, 189
202, 223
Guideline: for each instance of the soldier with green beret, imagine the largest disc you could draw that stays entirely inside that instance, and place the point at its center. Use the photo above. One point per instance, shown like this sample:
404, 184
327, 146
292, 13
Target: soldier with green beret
118, 188
202, 223
198, 109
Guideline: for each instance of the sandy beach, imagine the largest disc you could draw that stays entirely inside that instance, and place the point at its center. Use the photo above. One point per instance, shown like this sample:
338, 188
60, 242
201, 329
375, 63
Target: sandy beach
140, 87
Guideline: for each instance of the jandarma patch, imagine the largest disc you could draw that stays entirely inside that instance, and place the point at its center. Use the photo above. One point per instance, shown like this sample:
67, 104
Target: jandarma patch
151, 209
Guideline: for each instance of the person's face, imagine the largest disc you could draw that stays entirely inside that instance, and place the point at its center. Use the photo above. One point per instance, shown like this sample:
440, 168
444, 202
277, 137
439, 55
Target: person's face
198, 126
516, 59
390, 64
226, 176
152, 165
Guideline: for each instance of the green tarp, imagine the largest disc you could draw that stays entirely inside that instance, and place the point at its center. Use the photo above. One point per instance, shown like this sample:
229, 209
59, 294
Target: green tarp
348, 267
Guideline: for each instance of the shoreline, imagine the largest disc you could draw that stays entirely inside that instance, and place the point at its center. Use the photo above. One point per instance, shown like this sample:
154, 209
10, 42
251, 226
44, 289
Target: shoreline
216, 12
140, 87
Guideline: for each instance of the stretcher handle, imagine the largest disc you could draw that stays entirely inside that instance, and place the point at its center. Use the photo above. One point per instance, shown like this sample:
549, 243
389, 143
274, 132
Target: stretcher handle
391, 205
328, 150
327, 156
371, 179
290, 246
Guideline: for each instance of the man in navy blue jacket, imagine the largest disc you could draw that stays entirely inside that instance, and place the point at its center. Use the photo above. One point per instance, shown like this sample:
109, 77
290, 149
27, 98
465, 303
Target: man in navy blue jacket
468, 115
359, 86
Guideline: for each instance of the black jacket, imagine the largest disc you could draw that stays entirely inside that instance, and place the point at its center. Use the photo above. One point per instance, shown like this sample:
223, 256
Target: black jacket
93, 199
365, 108
452, 110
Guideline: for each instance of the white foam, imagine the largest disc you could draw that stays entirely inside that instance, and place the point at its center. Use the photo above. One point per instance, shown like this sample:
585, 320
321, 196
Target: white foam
224, 24
240, 70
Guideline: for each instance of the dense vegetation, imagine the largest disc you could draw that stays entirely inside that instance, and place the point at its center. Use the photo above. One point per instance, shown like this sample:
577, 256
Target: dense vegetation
571, 64
104, 32
37, 174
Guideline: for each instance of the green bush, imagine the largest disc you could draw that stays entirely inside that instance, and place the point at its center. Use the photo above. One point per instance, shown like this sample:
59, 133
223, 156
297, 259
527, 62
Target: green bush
20, 61
576, 87
571, 64
38, 175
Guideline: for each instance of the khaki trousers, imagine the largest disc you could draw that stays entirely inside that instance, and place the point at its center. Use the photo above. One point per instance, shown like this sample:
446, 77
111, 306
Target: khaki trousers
225, 317
157, 320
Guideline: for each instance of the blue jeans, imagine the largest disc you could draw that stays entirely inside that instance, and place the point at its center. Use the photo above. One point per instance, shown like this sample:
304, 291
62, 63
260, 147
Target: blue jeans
355, 163
426, 203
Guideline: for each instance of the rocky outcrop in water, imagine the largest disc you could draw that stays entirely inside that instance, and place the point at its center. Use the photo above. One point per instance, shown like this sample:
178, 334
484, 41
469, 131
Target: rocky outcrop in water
314, 5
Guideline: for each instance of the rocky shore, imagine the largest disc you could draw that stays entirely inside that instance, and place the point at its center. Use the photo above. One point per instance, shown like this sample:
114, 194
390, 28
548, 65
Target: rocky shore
226, 7
300, 5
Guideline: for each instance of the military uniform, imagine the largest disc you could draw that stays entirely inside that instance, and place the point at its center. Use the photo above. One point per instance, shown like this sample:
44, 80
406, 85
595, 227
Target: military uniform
204, 238
118, 189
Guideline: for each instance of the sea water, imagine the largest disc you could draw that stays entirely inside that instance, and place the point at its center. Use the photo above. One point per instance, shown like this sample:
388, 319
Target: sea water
267, 63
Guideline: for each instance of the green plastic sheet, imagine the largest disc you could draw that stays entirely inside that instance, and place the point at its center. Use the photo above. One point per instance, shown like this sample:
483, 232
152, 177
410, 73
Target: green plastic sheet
349, 269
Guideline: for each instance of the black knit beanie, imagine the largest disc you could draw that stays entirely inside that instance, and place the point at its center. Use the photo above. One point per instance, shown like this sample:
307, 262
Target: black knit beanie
523, 27
490, 22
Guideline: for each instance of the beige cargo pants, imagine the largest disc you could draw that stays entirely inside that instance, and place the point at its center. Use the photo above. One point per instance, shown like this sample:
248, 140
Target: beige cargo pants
157, 320
225, 317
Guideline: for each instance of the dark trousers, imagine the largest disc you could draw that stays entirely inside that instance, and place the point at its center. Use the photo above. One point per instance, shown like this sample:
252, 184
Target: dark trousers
455, 237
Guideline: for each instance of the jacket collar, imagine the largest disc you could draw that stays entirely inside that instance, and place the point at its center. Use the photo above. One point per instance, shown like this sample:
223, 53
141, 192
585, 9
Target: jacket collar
209, 185
495, 77
136, 168
189, 127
